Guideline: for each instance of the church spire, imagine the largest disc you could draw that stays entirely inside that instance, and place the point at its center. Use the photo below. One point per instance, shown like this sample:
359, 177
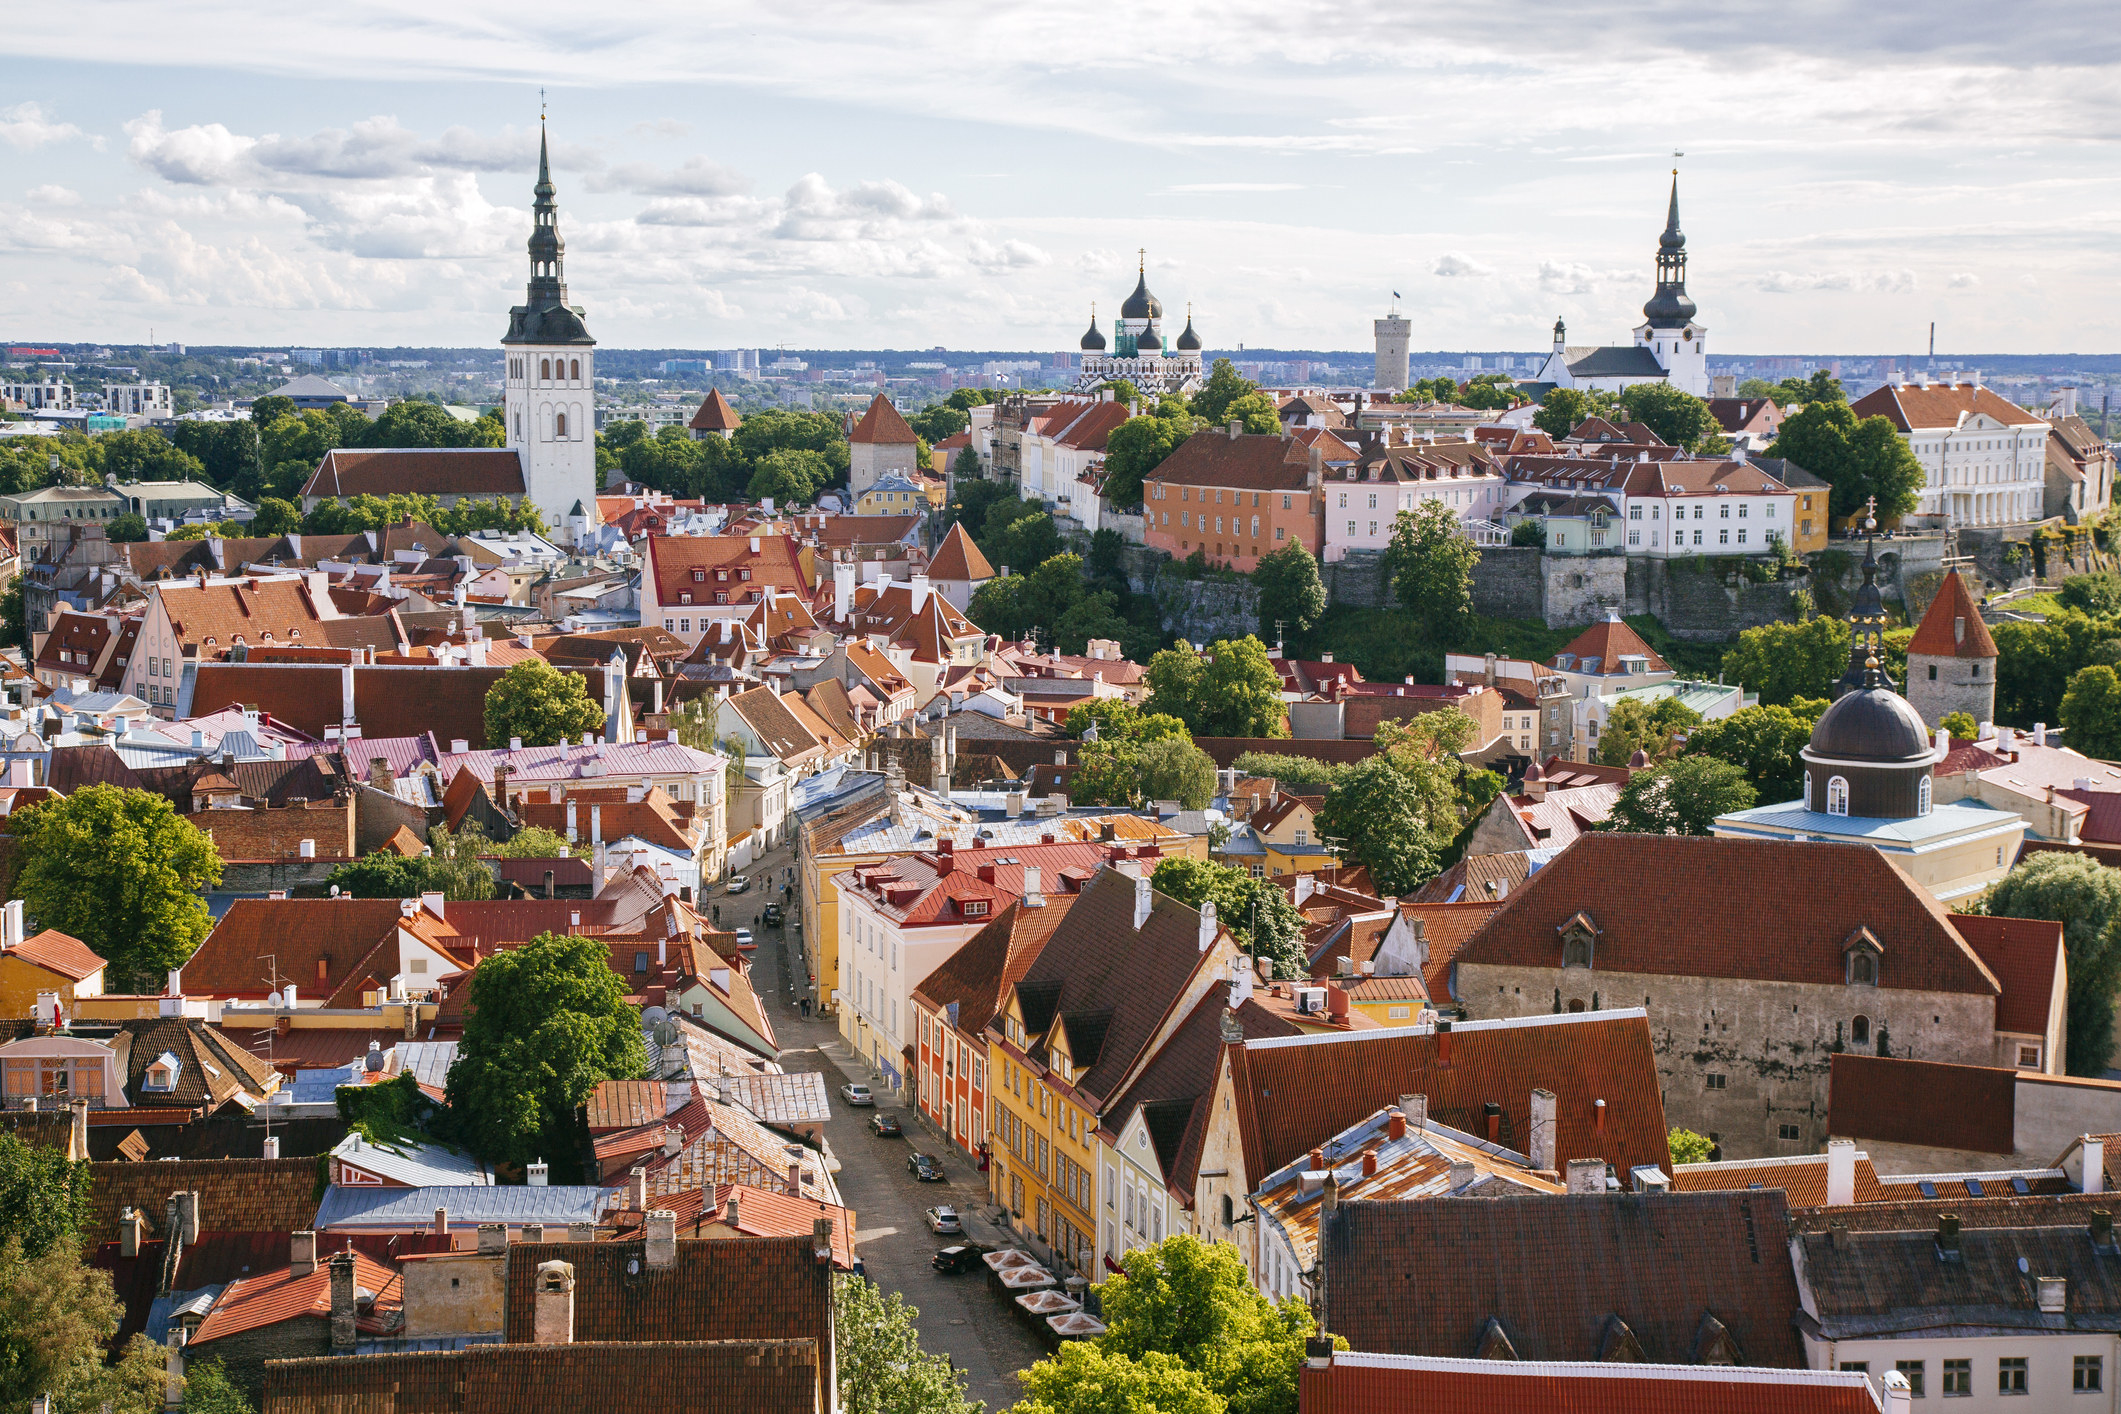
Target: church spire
545, 317
1670, 307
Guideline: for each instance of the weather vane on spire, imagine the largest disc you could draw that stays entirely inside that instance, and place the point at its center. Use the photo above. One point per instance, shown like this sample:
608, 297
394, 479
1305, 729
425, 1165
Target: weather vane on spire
541, 105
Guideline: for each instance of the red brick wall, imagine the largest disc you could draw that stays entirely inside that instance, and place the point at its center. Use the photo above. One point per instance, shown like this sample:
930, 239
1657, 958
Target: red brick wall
278, 833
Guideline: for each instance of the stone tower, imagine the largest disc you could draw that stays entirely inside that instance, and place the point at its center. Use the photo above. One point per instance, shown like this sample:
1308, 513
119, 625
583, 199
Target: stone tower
1951, 661
550, 364
1393, 331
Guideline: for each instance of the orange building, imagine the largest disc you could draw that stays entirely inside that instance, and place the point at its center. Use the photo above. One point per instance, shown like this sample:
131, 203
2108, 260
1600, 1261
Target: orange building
1235, 496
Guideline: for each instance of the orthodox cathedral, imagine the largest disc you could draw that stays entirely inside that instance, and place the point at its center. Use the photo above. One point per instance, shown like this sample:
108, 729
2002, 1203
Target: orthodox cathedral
1137, 350
1670, 345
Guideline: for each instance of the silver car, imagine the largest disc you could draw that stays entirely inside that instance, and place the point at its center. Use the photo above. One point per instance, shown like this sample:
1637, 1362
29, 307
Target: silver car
944, 1218
857, 1095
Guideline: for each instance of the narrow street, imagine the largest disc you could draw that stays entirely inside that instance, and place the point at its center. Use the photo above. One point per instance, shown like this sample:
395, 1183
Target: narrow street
962, 1316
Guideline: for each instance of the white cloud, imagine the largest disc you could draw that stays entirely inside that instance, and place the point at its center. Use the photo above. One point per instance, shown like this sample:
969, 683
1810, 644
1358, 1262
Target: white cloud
1452, 263
1964, 280
1235, 186
49, 195
1886, 282
1007, 255
26, 127
697, 175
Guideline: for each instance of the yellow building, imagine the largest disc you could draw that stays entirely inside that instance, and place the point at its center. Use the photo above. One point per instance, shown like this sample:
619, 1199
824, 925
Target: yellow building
1288, 830
48, 964
897, 496
1118, 976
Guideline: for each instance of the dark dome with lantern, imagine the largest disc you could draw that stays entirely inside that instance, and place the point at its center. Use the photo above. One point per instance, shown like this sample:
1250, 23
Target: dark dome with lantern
1870, 755
1872, 724
1141, 304
1189, 342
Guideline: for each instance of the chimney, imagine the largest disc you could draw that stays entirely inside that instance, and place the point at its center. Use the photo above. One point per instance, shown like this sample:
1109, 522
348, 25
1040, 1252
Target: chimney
1033, 879
1369, 1163
188, 1221
1899, 1399
794, 1153
1330, 1193
820, 1238
1948, 1237
1492, 1114
270, 1149
1443, 1040
1395, 1125
1586, 1176
1207, 924
342, 1303
1840, 1173
77, 1136
537, 1174
637, 1188
1318, 1352
1542, 1147
1598, 1118
380, 775
302, 1253
129, 1225
552, 1318
441, 1228
2094, 1157
493, 1239
661, 1247
1416, 1110
533, 1232
1235, 427
673, 1140
1462, 1172
1141, 902
581, 1232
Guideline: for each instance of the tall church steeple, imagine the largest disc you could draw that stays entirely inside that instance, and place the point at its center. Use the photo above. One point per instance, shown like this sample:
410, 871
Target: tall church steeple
548, 272
551, 372
1669, 307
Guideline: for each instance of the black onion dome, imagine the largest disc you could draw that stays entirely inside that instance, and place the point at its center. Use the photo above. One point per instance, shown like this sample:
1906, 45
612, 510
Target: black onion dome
1094, 340
1189, 342
1669, 308
1141, 304
1874, 724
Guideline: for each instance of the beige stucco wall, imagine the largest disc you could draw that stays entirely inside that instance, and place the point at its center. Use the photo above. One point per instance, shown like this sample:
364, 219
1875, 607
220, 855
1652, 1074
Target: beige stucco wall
456, 1293
1772, 1042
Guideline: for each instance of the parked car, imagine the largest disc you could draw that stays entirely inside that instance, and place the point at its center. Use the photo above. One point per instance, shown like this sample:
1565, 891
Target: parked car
926, 1167
886, 1126
773, 915
857, 1095
744, 941
739, 882
944, 1219
964, 1257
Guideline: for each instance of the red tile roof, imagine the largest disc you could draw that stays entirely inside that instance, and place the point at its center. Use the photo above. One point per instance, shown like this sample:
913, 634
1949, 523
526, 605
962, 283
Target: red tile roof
730, 1288
2026, 956
1685, 920
1951, 627
1608, 642
1448, 927
630, 1377
957, 558
1388, 1384
1295, 1094
715, 415
1930, 1103
1802, 1177
672, 560
273, 1297
882, 423
57, 952
425, 471
1940, 405
321, 945
977, 977
939, 887
1247, 461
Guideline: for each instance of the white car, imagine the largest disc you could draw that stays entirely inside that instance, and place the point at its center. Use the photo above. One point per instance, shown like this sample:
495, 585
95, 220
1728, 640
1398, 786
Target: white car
739, 882
857, 1095
945, 1219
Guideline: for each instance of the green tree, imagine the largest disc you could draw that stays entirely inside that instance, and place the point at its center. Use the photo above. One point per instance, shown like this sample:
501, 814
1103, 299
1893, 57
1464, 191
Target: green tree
1857, 458
120, 870
143, 454
1763, 743
1291, 594
1490, 392
1137, 447
1259, 915
1530, 532
1223, 386
792, 476
127, 529
1122, 390
56, 1317
14, 614
2084, 896
2034, 664
1681, 797
450, 868
44, 1197
1672, 413
1256, 413
416, 423
540, 704
2091, 712
1231, 690
1634, 725
1028, 540
1176, 769
226, 451
1688, 1147
1086, 1378
1431, 561
1785, 661
939, 422
1194, 1302
1562, 408
2097, 594
882, 1368
548, 1023
209, 1390
1373, 811
276, 517
1296, 772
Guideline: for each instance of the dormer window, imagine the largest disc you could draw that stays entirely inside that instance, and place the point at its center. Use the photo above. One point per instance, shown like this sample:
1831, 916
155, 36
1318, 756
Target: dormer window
698, 576
162, 1074
721, 576
1862, 955
1579, 937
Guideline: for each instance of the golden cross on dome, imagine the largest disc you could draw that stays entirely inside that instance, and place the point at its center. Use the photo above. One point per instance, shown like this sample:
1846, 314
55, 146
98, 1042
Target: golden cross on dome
1144, 253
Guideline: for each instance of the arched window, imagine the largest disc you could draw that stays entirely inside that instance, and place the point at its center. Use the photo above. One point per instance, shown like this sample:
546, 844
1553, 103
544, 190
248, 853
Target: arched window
559, 432
1922, 797
1837, 796
1576, 1004
544, 368
574, 368
1860, 1031
1229, 1212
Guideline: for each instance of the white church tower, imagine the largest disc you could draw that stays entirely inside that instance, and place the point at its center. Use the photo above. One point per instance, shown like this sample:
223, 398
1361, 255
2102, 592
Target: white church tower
1668, 329
551, 373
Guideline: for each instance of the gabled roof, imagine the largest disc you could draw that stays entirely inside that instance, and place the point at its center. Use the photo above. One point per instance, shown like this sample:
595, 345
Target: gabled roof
672, 559
211, 1068
1556, 1271
2027, 958
1952, 627
1931, 1103
703, 1377
1362, 1383
1691, 923
1605, 643
715, 414
1911, 408
779, 730
958, 559
245, 1195
1616, 361
1870, 1282
1801, 1176
255, 1302
977, 977
1248, 462
58, 953
1295, 1094
422, 471
882, 423
318, 945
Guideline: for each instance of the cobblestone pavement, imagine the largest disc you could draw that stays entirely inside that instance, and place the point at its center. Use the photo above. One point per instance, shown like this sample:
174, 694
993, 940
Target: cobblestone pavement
962, 1316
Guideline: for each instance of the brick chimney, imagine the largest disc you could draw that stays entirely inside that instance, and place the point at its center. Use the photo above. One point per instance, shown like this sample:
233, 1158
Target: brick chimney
1395, 1124
1840, 1172
662, 1245
130, 1224
342, 1303
493, 1239
552, 1318
637, 1188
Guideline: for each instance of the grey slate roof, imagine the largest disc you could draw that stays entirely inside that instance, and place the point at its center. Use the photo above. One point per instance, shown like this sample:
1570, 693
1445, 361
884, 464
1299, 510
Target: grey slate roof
356, 1209
1617, 361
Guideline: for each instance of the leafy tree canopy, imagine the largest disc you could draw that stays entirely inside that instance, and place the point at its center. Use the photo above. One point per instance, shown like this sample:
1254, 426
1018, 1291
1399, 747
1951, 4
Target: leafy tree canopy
1375, 810
1763, 743
2091, 712
1672, 413
2084, 896
1431, 564
1681, 797
120, 870
44, 1198
1786, 661
1689, 1148
1857, 458
1137, 447
1562, 408
1292, 597
1223, 386
1634, 725
882, 1368
1233, 689
540, 704
56, 1316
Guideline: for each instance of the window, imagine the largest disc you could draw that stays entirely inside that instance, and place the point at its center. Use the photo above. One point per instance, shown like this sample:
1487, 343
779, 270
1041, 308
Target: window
1860, 1031
1718, 1082
640, 962
1786, 1131
544, 368
1958, 1379
1741, 537
1922, 797
574, 368
1837, 796
1861, 1367
1911, 1370
559, 426
2084, 1377
1863, 969
2029, 1057
1723, 537
2010, 1375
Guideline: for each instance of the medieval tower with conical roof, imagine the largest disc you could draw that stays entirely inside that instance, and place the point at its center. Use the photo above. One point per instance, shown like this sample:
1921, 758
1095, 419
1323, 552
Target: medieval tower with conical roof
551, 373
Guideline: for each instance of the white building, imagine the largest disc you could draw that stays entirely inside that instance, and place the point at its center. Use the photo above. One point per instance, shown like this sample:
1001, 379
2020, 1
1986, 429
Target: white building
1364, 498
138, 399
1984, 458
1670, 346
551, 373
54, 394
1137, 351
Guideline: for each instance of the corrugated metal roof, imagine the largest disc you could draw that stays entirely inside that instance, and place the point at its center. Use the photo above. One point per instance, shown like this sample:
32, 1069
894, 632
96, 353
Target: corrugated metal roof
467, 1206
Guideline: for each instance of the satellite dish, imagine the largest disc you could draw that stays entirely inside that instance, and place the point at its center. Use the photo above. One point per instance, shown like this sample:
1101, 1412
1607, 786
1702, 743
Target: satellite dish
666, 1033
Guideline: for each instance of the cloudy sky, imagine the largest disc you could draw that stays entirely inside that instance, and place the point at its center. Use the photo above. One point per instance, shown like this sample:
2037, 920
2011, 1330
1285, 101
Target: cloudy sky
967, 174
